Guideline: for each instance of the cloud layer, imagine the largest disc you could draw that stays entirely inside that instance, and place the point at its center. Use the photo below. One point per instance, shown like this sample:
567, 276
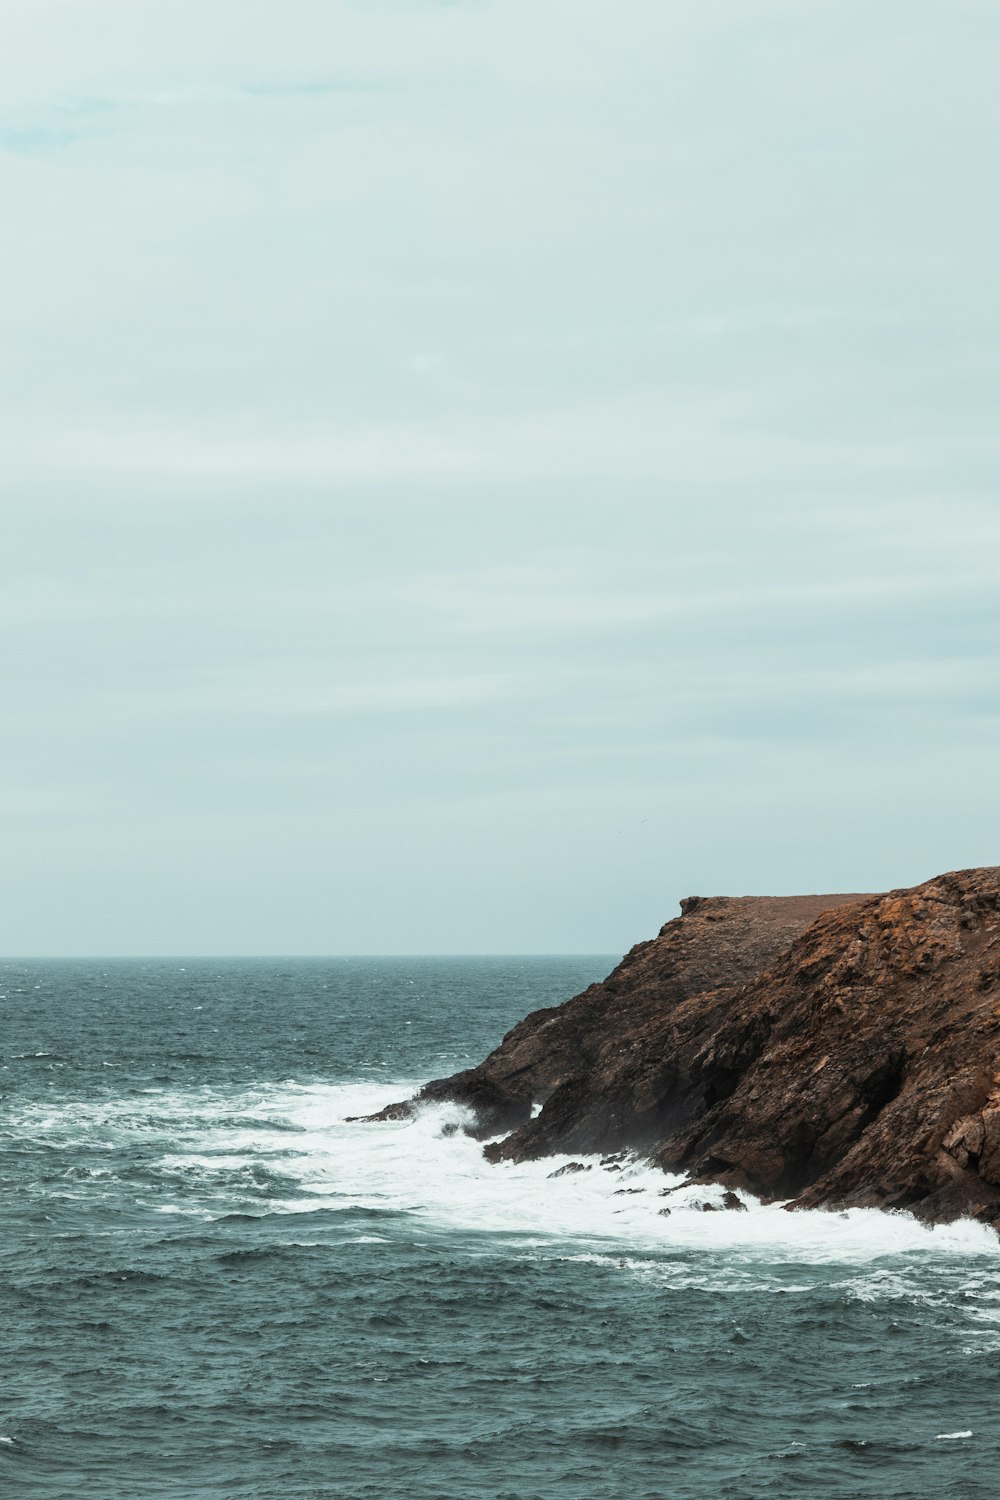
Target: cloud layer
475, 473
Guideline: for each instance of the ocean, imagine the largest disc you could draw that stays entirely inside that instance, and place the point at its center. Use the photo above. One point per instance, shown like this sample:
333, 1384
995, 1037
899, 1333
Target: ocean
215, 1287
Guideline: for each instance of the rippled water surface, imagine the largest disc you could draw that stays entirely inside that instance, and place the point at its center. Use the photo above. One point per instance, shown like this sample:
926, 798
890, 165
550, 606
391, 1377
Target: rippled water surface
213, 1286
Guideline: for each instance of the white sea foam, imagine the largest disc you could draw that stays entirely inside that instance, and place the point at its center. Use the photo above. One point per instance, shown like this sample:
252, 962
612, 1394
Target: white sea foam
177, 1208
428, 1166
951, 1437
428, 1169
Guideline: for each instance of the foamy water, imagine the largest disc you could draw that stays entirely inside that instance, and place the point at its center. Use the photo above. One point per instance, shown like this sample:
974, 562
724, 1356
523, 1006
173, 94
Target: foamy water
217, 1285
429, 1169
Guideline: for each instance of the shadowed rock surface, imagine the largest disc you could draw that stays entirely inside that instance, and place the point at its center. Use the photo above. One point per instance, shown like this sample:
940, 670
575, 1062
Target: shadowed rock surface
833, 1050
717, 943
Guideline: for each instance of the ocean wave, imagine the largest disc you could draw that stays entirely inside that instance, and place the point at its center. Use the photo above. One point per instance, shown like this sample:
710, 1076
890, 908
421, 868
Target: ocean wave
214, 1149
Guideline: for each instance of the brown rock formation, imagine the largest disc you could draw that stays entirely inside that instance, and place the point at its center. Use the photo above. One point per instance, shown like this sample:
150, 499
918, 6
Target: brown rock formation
833, 1051
864, 1067
557, 1054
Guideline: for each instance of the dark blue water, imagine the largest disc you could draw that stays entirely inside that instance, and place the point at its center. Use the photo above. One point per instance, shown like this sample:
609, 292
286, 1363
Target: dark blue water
213, 1286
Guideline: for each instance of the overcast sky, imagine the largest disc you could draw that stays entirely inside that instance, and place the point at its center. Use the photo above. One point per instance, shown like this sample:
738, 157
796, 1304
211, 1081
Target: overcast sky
474, 473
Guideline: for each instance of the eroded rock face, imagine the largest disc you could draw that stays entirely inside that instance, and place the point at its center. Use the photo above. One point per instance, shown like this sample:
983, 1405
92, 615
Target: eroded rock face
642, 1072
556, 1055
833, 1051
868, 1061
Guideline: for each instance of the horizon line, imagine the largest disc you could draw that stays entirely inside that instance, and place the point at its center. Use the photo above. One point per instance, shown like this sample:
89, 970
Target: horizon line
16, 958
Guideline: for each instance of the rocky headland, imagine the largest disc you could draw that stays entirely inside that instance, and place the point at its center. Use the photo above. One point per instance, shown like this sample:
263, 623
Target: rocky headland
827, 1051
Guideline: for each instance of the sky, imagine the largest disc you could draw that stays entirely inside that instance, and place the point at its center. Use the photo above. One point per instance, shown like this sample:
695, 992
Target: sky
474, 473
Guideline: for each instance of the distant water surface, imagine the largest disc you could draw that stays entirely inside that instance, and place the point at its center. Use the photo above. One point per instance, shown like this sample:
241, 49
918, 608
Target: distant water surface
213, 1287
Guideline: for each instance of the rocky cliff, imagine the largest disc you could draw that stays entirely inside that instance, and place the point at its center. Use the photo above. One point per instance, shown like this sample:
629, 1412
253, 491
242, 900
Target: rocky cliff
827, 1050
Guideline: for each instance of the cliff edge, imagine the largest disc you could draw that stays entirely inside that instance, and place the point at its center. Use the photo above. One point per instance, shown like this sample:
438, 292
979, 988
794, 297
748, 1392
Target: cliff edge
832, 1051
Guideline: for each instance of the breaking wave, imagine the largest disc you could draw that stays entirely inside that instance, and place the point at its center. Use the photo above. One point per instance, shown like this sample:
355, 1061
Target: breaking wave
293, 1149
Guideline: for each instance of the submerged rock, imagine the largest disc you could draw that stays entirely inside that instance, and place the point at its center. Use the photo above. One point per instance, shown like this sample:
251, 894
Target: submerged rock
832, 1051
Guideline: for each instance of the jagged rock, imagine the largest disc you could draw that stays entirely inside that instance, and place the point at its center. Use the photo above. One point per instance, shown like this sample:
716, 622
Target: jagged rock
830, 1051
619, 1084
570, 1167
497, 1104
719, 943
863, 1068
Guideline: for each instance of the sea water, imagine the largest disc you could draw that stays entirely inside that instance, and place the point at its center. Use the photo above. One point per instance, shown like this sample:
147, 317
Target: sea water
214, 1286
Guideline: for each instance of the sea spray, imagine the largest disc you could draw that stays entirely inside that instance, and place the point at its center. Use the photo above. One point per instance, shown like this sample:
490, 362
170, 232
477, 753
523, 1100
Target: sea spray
215, 1285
